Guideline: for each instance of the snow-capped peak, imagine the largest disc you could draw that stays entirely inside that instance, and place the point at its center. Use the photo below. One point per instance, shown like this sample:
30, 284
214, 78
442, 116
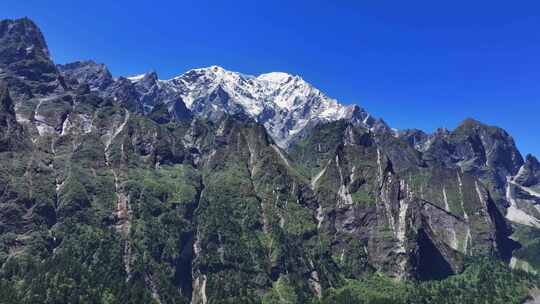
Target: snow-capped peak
284, 103
275, 77
214, 72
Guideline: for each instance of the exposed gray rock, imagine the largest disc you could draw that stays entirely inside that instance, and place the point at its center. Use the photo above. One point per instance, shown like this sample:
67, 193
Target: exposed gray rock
25, 62
95, 75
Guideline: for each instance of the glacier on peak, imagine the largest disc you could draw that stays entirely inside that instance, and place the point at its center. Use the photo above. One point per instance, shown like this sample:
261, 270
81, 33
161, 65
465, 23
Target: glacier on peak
275, 77
136, 78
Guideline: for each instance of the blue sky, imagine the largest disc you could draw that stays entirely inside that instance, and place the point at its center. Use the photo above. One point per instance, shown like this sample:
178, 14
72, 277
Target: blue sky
423, 64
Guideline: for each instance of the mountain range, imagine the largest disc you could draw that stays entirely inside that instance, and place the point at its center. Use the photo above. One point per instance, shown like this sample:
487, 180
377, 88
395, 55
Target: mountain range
220, 187
285, 104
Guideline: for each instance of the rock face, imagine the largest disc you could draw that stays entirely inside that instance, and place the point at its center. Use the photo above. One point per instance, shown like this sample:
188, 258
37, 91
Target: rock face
523, 194
219, 186
486, 152
529, 173
96, 76
25, 62
399, 217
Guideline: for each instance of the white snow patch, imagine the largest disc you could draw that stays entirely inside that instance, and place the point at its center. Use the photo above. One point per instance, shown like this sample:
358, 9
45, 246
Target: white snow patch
200, 287
366, 119
86, 123
460, 183
379, 165
40, 123
43, 128
514, 214
320, 216
468, 239
118, 130
343, 191
516, 263
402, 219
66, 125
276, 77
452, 231
526, 189
316, 178
20, 118
445, 197
480, 195
454, 240
252, 158
278, 150
136, 78
482, 200
30, 49
468, 236
314, 280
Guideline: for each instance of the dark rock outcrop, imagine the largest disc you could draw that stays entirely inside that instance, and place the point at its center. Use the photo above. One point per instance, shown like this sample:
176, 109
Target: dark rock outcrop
25, 62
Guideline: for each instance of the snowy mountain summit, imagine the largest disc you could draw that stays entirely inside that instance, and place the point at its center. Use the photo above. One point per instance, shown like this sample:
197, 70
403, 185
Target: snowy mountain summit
285, 104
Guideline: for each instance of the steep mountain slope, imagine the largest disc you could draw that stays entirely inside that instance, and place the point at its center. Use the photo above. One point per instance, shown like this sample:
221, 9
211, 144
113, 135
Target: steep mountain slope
490, 154
117, 190
400, 217
486, 152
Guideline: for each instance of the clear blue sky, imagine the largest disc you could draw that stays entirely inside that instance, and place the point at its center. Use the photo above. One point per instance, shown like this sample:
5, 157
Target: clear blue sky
423, 64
